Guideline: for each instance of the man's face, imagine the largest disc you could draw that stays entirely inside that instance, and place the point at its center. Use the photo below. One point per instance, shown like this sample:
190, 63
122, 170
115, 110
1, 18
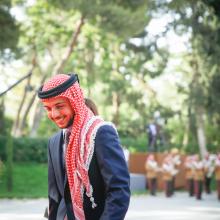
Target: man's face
59, 111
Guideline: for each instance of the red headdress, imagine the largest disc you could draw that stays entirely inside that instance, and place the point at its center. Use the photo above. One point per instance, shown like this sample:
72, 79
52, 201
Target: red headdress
81, 142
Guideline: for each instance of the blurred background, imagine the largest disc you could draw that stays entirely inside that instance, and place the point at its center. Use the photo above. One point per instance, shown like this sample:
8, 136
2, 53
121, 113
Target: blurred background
140, 61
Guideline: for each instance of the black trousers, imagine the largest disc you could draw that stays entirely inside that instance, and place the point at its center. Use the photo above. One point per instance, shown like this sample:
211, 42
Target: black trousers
208, 184
218, 188
198, 189
168, 188
190, 187
152, 185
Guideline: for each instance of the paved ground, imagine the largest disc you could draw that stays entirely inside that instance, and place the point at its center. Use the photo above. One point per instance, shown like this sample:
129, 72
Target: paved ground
143, 207
179, 207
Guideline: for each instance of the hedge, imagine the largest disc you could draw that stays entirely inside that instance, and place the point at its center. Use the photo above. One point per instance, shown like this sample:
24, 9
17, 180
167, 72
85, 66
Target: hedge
26, 149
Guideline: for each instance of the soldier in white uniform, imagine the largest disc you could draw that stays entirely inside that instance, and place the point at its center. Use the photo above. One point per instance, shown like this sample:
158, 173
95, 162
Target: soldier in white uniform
169, 171
209, 168
198, 174
151, 168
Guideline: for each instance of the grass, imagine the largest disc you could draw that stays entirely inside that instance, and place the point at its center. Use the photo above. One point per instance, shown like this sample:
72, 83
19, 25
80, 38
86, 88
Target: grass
139, 192
29, 181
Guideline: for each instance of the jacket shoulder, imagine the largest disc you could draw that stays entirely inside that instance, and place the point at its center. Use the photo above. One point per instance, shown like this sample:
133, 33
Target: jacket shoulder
106, 127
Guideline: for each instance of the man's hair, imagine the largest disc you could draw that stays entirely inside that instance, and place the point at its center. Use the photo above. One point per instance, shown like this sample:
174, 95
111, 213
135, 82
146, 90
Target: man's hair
91, 105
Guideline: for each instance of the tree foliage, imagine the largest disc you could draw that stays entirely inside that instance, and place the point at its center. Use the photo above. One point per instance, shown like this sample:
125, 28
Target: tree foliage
9, 29
107, 43
119, 17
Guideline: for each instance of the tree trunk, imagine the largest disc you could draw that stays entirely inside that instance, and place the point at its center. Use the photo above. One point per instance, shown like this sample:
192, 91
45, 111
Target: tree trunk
16, 132
198, 104
89, 59
16, 83
187, 129
116, 104
199, 111
23, 123
186, 136
37, 119
31, 102
59, 67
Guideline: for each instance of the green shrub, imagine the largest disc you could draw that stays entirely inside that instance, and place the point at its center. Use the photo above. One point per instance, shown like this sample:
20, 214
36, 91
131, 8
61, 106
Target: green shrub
26, 149
135, 144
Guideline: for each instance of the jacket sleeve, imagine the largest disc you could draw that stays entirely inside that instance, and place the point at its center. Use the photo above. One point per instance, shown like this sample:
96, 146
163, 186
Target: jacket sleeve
115, 173
53, 193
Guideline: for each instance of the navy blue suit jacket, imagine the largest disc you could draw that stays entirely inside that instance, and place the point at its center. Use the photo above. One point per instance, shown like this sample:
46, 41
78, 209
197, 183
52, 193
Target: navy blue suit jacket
108, 175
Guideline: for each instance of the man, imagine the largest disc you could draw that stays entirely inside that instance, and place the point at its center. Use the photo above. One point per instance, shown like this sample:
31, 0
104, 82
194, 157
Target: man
87, 173
152, 137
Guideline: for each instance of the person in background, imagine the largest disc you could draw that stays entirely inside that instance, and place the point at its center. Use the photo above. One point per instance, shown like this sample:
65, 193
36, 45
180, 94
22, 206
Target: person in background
209, 168
88, 177
198, 174
176, 163
217, 174
151, 168
91, 105
168, 171
188, 165
152, 136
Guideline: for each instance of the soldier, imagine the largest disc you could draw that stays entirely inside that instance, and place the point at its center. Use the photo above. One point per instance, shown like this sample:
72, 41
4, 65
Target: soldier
151, 168
176, 163
198, 174
169, 171
189, 174
217, 174
209, 168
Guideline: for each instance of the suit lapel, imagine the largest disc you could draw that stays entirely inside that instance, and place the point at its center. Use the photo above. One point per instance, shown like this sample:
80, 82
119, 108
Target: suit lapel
57, 158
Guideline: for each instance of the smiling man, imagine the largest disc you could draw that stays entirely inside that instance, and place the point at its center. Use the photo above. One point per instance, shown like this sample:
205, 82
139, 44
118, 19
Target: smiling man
87, 173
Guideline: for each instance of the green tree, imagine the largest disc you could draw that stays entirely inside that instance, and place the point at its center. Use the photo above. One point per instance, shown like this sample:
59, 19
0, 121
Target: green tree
9, 29
199, 19
121, 18
58, 42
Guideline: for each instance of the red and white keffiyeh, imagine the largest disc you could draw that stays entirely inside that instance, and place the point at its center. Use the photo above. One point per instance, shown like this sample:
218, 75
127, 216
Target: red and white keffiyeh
81, 143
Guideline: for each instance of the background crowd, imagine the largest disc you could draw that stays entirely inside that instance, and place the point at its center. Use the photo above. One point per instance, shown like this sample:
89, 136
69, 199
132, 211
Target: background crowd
198, 173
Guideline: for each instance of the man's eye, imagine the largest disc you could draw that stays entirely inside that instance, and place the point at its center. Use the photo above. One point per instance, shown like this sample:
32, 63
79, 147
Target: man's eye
59, 106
